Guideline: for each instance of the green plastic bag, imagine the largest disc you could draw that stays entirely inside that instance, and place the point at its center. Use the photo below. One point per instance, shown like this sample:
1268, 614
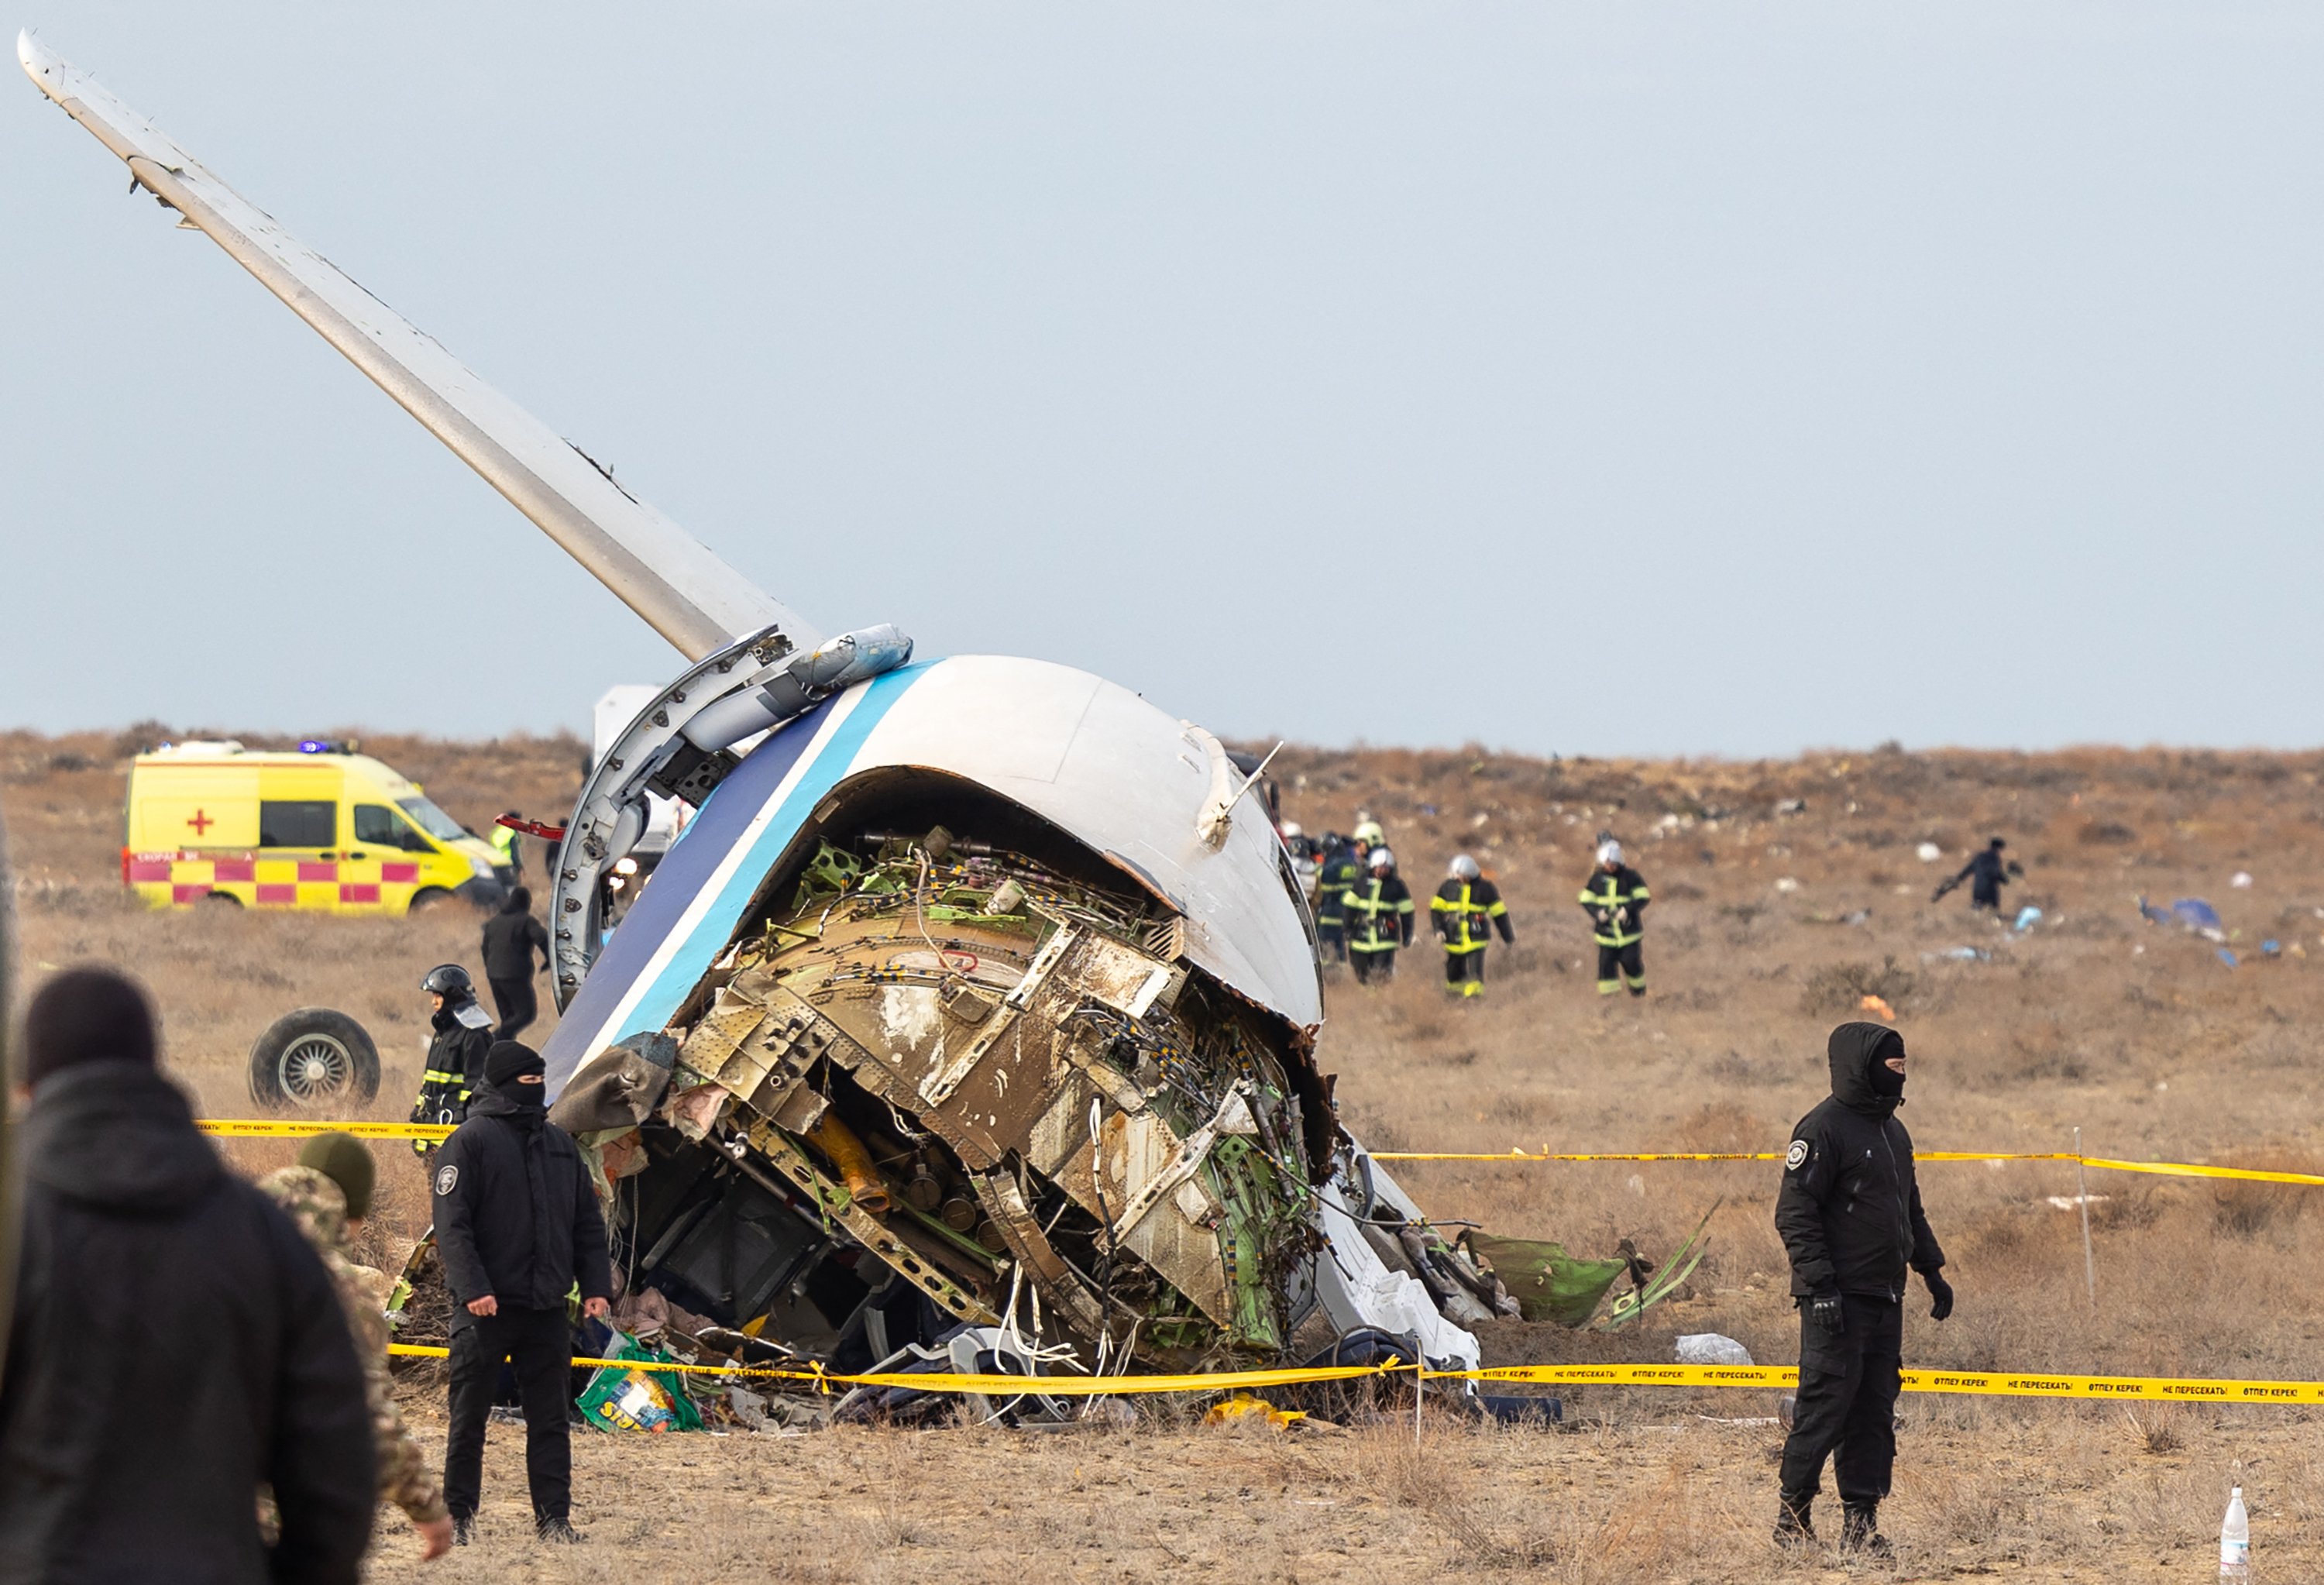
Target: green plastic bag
1548, 1283
618, 1399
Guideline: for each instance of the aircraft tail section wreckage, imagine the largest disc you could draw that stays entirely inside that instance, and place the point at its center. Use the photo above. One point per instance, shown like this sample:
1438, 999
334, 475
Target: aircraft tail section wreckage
975, 994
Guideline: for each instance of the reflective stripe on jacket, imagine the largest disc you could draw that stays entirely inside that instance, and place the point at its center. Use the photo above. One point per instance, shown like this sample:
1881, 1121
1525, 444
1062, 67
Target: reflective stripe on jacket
1615, 899
1379, 915
1331, 884
1465, 913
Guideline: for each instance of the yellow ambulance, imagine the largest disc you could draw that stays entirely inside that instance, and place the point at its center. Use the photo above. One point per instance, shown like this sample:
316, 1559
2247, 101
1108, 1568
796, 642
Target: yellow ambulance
317, 829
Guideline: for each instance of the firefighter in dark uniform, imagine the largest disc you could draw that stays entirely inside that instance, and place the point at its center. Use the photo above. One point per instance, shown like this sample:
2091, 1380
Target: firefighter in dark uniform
455, 1056
1987, 875
1466, 909
1380, 920
1849, 1214
519, 1229
1338, 872
1614, 896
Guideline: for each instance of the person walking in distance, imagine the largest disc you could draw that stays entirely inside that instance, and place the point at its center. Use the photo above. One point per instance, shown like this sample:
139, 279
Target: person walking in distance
174, 1345
1380, 920
518, 1229
1466, 910
1986, 874
1849, 1214
512, 938
456, 1052
327, 1195
1614, 898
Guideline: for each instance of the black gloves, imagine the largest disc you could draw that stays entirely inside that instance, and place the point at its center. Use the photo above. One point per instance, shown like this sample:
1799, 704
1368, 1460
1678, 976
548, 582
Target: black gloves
1941, 1292
1827, 1312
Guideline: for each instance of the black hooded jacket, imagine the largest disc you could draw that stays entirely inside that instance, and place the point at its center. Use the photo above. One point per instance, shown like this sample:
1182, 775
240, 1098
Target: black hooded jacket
515, 1214
176, 1342
1849, 1210
511, 938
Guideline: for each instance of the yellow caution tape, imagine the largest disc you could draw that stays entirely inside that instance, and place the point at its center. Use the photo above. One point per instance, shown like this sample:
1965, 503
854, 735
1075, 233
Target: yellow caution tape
2182, 1169
283, 1129
1978, 1383
257, 1128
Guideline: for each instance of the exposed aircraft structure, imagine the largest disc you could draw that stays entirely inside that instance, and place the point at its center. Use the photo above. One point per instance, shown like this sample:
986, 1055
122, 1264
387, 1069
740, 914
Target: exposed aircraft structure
977, 991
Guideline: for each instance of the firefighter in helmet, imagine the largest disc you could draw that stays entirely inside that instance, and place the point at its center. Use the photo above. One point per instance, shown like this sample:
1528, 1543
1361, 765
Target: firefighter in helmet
455, 1055
1380, 920
1466, 910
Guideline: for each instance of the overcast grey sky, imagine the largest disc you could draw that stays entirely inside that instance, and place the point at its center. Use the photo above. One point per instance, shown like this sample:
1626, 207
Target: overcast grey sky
1588, 379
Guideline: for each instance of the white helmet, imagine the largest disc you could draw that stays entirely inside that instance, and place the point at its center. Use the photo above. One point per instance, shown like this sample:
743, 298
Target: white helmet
1463, 868
1367, 831
1381, 859
1291, 832
1609, 851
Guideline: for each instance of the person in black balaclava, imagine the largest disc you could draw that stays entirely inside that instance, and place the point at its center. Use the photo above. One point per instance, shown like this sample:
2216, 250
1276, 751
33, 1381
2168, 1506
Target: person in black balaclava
1849, 1214
518, 1226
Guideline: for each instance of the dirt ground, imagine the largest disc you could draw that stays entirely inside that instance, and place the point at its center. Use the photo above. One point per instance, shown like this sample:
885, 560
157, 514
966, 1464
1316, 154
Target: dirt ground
1770, 923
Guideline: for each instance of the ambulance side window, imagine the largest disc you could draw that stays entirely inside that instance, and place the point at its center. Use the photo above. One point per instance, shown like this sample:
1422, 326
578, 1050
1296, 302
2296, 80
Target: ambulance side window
377, 826
298, 825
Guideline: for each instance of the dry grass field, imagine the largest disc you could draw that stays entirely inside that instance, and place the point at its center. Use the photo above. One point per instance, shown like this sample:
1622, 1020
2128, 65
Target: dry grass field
1767, 928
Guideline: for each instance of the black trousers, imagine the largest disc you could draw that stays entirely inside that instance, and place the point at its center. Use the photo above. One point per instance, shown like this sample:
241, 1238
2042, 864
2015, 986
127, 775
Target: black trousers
1847, 1406
539, 1344
1373, 968
1332, 937
1465, 968
1627, 962
517, 1004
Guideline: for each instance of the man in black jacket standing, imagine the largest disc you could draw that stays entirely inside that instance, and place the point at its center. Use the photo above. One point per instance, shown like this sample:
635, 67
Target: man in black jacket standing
517, 1227
511, 936
175, 1342
1849, 1214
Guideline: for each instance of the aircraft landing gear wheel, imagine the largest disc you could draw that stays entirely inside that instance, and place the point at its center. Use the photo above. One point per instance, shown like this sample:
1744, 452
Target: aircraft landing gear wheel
314, 1060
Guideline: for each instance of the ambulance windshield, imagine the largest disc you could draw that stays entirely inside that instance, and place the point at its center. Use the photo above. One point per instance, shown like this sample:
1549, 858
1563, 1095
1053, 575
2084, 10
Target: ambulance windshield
431, 819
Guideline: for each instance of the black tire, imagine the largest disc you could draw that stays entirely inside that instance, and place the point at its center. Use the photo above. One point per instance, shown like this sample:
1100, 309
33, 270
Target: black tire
427, 897
314, 1060
226, 898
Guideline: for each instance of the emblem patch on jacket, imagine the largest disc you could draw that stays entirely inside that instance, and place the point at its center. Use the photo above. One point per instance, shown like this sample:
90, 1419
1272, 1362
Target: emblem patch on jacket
448, 1176
1792, 1159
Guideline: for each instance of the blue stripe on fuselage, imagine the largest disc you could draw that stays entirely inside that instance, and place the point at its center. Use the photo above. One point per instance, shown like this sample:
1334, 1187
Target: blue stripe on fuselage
693, 863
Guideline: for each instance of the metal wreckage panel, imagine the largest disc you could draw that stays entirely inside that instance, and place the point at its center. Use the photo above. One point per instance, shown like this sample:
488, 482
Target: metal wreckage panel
989, 1094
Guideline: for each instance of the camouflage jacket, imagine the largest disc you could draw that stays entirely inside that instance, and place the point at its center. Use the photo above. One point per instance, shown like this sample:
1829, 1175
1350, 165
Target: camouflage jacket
317, 1205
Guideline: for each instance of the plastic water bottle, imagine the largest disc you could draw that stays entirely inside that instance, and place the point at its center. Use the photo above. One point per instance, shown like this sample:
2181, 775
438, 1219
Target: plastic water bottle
2234, 1540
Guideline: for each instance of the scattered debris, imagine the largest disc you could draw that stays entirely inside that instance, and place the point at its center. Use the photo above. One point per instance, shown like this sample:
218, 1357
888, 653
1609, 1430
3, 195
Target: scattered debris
1712, 1347
2189, 913
1959, 954
1242, 1409
2027, 918
1787, 883
1929, 853
1879, 1007
2075, 1202
2242, 880
2227, 957
618, 1399
1792, 807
